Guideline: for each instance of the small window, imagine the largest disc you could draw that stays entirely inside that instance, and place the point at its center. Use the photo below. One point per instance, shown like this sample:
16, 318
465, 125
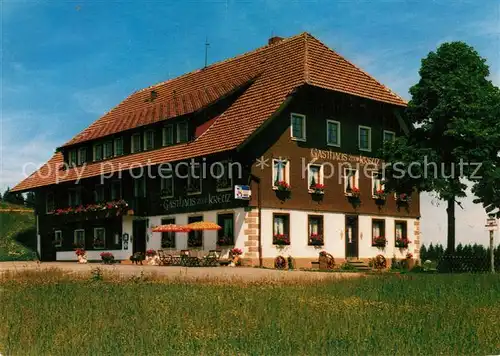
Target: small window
140, 187
98, 152
298, 127
79, 238
118, 143
389, 136
149, 138
377, 185
167, 187
226, 234
99, 193
194, 179
365, 138
281, 229
378, 232
315, 226
49, 202
99, 238
82, 156
333, 133
281, 172
223, 176
107, 150
400, 232
168, 238
58, 238
182, 132
72, 160
116, 190
351, 181
168, 135
74, 196
315, 176
136, 143
195, 238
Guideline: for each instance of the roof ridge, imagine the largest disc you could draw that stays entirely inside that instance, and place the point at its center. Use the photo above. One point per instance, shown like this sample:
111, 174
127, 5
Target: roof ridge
306, 59
256, 50
361, 70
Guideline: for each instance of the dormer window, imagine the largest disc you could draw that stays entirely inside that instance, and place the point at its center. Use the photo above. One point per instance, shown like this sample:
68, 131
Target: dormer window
72, 158
82, 155
182, 132
136, 143
108, 150
98, 152
168, 135
148, 140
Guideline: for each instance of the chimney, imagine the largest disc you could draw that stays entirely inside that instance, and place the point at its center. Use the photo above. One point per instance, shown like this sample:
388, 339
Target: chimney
274, 40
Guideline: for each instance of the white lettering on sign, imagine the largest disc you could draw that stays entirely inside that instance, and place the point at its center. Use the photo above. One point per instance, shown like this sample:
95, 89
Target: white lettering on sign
194, 201
339, 156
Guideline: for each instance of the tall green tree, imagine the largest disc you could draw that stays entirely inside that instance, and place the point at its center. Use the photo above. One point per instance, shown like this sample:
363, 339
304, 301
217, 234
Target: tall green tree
452, 124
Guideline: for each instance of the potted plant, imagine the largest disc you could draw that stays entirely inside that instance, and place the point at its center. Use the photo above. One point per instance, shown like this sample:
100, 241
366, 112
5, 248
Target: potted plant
137, 258
379, 241
316, 240
281, 239
402, 242
379, 195
317, 189
107, 258
282, 186
236, 253
355, 193
150, 255
81, 255
403, 198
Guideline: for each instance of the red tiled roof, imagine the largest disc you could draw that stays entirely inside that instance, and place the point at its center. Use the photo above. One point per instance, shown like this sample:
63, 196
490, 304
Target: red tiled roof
272, 72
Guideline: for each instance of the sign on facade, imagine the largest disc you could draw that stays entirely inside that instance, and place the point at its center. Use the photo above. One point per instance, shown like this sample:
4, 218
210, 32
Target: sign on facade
242, 192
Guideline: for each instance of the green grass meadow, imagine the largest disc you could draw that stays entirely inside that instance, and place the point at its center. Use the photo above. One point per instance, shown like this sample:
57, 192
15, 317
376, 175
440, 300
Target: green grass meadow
388, 314
17, 234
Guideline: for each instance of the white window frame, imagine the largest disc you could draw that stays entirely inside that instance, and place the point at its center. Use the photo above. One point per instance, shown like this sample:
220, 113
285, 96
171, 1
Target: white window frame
75, 235
229, 174
115, 141
58, 242
79, 159
132, 146
382, 186
104, 238
113, 183
389, 132
47, 208
356, 179
104, 153
304, 138
144, 148
321, 177
164, 135
178, 136
190, 177
338, 133
369, 149
287, 171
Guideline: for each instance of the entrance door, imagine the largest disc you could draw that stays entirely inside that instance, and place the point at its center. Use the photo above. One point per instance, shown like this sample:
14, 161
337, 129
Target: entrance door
139, 236
351, 236
47, 249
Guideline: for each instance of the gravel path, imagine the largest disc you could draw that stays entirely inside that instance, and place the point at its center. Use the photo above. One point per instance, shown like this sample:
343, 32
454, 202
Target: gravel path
182, 273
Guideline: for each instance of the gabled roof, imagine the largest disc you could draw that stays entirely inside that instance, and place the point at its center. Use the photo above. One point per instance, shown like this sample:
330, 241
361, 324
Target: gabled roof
271, 72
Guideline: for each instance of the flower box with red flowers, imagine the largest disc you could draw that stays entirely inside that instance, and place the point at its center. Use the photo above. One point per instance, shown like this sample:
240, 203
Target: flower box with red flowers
402, 242
403, 198
354, 192
379, 241
236, 251
379, 194
150, 253
80, 252
281, 239
317, 189
282, 186
107, 257
316, 240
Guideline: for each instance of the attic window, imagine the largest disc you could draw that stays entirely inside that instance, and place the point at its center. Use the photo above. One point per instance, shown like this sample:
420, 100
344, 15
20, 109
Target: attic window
153, 94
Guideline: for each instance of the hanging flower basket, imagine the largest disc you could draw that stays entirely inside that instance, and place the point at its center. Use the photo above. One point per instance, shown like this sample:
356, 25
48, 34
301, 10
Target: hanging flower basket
379, 195
354, 193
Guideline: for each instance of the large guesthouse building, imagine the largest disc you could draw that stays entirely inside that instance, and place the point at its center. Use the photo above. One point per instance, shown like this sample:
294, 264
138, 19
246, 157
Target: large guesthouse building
278, 146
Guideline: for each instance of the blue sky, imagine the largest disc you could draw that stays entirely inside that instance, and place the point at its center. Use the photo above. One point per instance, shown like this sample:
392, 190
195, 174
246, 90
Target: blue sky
65, 63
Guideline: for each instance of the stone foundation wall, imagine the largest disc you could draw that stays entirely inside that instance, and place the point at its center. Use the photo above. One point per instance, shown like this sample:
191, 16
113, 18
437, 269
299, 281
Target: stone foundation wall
251, 232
